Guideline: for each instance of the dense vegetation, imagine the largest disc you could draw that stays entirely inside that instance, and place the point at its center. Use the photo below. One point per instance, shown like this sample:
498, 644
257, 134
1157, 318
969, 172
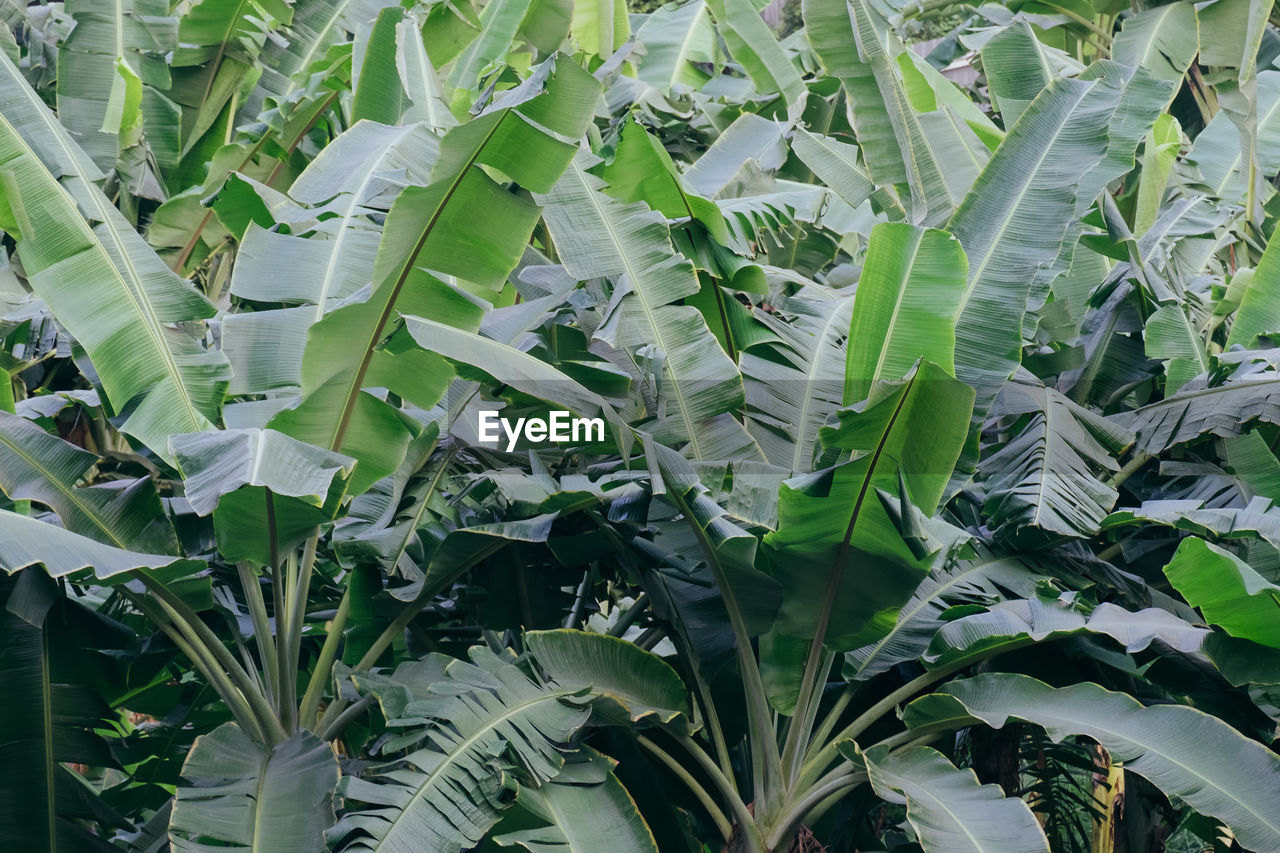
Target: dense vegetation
935, 504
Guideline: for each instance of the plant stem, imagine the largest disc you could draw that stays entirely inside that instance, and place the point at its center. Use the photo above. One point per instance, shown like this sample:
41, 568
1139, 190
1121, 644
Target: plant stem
308, 715
801, 727
205, 639
341, 721
1140, 458
766, 762
201, 660
708, 803
261, 624
791, 818
631, 616
908, 738
722, 782
832, 718
296, 611
865, 720
402, 620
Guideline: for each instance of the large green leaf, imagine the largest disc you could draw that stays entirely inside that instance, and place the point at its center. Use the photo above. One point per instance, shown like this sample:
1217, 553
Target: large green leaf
1047, 473
890, 135
1021, 66
1258, 519
475, 722
45, 723
1162, 40
511, 366
630, 680
978, 581
25, 541
1224, 410
838, 165
792, 387
674, 38
1219, 154
41, 467
1019, 222
600, 26
586, 809
123, 42
105, 283
1010, 624
905, 309
349, 178
950, 810
1184, 752
252, 797
697, 384
264, 489
499, 23
433, 228
1227, 590
317, 25
855, 562
754, 45
1258, 313
219, 44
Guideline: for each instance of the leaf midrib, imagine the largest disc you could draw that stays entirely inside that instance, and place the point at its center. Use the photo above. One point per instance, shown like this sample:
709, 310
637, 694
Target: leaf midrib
463, 747
650, 318
357, 382
142, 306
69, 493
976, 273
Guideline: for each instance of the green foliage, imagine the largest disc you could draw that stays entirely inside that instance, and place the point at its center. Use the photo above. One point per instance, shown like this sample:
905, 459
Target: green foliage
925, 497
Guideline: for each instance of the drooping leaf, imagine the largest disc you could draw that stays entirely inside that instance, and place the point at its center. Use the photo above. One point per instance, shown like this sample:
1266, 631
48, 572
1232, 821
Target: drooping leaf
25, 541
949, 809
754, 45
674, 38
41, 467
585, 808
46, 723
1049, 473
696, 382
1164, 40
978, 581
628, 680
1224, 410
264, 489
253, 797
1184, 752
793, 387
1227, 590
1010, 624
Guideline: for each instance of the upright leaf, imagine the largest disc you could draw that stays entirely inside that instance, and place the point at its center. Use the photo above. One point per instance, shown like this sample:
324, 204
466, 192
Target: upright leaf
1018, 222
855, 562
695, 380
119, 300
905, 308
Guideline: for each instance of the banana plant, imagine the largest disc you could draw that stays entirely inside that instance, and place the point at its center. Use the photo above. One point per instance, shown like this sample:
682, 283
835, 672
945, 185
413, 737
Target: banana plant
926, 493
